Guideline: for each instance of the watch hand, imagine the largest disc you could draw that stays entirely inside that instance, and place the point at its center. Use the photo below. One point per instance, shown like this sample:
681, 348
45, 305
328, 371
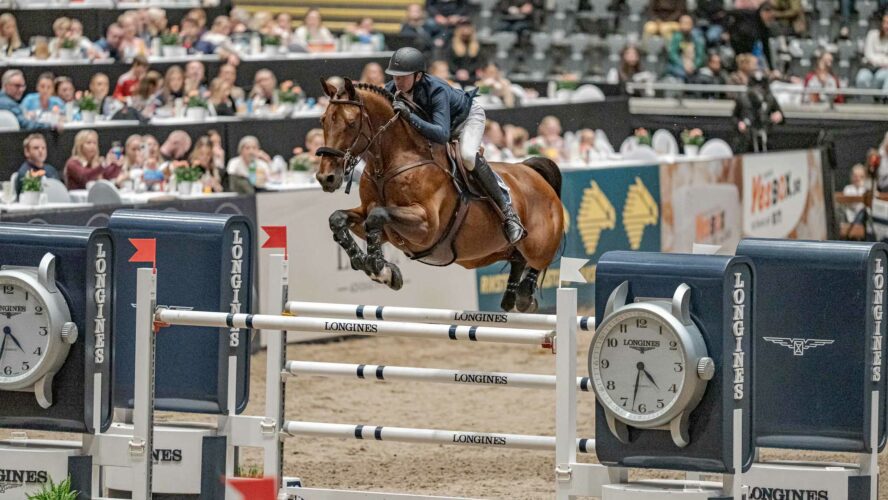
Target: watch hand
648, 375
10, 335
635, 393
3, 345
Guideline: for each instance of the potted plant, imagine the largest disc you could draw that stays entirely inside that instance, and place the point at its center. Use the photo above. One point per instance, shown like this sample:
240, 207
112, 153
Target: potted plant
289, 95
87, 105
171, 43
186, 176
32, 187
69, 49
301, 169
643, 137
692, 140
196, 106
271, 44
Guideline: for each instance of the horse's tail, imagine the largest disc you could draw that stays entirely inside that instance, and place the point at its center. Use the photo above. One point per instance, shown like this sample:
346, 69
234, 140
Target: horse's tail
548, 170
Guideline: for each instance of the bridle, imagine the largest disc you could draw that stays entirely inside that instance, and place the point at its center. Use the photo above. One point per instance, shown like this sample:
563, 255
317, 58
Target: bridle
349, 157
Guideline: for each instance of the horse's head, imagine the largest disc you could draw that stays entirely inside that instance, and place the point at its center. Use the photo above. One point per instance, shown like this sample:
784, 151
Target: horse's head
346, 134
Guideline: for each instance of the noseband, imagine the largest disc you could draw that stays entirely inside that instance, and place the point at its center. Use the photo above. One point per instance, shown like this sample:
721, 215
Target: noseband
349, 157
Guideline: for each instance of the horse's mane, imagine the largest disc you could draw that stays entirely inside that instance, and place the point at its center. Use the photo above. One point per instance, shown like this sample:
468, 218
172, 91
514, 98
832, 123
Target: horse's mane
376, 90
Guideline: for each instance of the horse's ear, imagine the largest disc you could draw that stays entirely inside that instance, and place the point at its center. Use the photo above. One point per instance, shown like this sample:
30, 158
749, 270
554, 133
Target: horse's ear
328, 89
350, 89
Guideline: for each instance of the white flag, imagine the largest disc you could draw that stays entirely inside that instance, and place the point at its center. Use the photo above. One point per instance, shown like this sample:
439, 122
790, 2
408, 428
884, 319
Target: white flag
570, 269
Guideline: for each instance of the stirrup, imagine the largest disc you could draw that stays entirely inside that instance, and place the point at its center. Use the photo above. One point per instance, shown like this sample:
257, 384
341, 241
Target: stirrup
511, 225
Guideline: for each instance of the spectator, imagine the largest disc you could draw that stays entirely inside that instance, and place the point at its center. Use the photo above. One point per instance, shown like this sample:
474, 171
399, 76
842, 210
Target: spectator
711, 74
13, 83
152, 149
86, 47
314, 140
747, 65
189, 33
199, 16
425, 33
313, 31
202, 157
110, 45
61, 28
373, 75
548, 141
520, 16
448, 13
157, 21
176, 146
441, 69
146, 98
152, 173
218, 150
790, 17
248, 170
218, 38
35, 161
128, 81
882, 167
465, 52
10, 40
133, 159
874, 75
220, 98
822, 77
283, 27
365, 32
494, 142
516, 140
173, 85
711, 15
755, 112
85, 164
492, 79
99, 86
687, 50
588, 147
750, 34
130, 43
195, 77
240, 20
664, 15
629, 69
858, 187
264, 91
228, 72
44, 100
64, 89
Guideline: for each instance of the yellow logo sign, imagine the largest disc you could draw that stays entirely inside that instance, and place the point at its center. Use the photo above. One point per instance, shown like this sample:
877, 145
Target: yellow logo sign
596, 214
639, 211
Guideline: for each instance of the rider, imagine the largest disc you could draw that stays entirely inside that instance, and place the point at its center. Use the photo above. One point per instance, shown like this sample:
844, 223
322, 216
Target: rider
453, 113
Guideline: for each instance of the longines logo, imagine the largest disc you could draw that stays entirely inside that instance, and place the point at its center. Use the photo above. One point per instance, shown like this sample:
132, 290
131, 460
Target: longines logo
798, 346
4, 487
166, 456
10, 311
641, 346
787, 494
16, 478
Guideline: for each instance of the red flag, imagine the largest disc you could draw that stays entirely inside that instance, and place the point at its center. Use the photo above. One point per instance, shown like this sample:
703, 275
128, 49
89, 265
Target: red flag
252, 488
146, 251
277, 238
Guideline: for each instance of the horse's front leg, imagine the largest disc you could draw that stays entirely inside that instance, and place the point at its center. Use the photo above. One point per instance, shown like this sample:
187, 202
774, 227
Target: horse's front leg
409, 222
340, 223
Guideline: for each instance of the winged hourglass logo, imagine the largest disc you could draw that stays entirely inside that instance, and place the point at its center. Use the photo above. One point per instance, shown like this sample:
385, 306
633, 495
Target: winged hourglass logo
798, 346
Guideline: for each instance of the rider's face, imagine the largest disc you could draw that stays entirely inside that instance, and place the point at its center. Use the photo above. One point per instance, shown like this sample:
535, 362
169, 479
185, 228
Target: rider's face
405, 83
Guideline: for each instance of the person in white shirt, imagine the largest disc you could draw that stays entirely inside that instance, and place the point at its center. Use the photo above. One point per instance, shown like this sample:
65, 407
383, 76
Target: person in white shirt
313, 31
875, 51
250, 168
858, 187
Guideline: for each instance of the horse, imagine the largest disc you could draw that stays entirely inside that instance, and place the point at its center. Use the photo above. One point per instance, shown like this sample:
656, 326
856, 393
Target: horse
409, 198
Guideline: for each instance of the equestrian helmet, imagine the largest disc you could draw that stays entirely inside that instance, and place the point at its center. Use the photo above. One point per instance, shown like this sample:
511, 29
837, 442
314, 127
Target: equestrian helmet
406, 61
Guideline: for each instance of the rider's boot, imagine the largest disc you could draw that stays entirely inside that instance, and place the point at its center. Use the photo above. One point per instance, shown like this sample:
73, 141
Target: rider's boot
512, 227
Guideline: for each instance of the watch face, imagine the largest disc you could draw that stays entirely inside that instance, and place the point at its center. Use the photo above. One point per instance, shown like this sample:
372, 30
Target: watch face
24, 330
638, 366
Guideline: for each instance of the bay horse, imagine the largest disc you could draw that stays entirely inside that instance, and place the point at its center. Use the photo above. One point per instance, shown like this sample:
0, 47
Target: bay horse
409, 198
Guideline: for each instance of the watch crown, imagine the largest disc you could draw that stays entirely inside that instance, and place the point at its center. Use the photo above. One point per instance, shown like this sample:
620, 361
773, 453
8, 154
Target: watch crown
69, 332
706, 368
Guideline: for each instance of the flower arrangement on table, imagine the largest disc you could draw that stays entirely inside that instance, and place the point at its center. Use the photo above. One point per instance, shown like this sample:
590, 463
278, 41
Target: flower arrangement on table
643, 137
271, 41
86, 101
171, 37
568, 81
692, 137
289, 93
195, 100
185, 172
69, 43
33, 181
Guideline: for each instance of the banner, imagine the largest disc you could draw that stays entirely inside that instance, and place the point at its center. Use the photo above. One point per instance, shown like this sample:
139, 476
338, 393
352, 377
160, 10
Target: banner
605, 209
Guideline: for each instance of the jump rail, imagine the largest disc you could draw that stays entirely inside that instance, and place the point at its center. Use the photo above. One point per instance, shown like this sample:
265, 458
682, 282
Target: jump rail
441, 376
353, 327
408, 435
439, 316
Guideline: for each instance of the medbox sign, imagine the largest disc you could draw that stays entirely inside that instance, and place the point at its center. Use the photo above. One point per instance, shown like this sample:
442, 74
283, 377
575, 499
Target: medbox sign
775, 194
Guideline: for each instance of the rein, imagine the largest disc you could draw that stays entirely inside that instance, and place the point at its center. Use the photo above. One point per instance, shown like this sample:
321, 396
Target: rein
349, 158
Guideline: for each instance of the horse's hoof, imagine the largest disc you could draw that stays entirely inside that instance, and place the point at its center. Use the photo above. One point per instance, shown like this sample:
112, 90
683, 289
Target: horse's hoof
357, 263
526, 304
508, 302
396, 281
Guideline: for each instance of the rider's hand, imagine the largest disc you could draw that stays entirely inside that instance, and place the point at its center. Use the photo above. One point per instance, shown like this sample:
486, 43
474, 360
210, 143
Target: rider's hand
402, 108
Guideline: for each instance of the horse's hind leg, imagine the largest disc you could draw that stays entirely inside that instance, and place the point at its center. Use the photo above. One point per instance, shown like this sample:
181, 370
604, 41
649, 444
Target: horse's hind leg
379, 269
526, 289
517, 264
340, 222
